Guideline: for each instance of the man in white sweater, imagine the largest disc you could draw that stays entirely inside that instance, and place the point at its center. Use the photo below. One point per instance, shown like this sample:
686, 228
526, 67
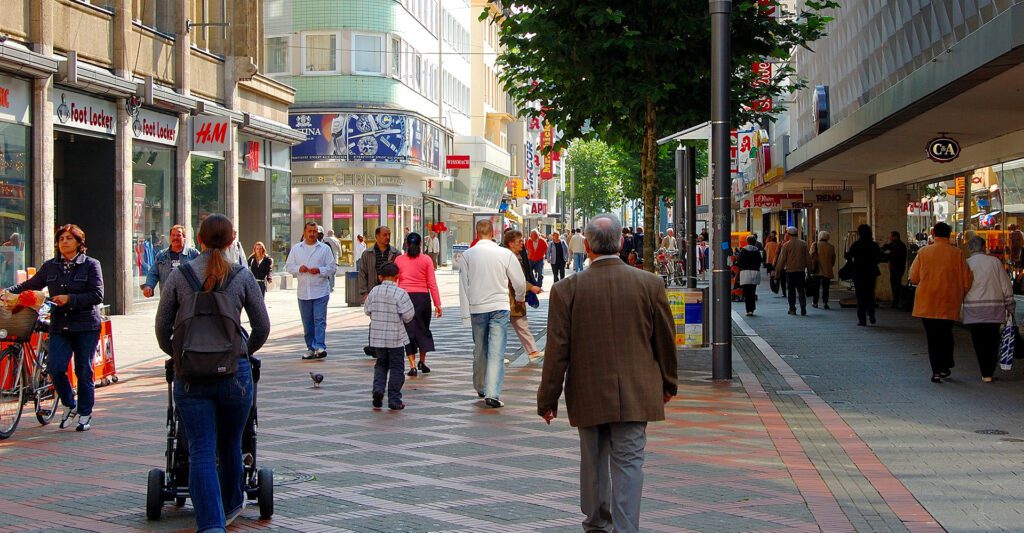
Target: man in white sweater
313, 264
484, 277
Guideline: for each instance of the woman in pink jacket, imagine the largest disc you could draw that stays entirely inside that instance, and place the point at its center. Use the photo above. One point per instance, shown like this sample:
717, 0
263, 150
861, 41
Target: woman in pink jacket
416, 277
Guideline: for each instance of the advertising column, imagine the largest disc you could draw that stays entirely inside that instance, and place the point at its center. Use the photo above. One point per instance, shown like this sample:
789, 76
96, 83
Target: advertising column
15, 189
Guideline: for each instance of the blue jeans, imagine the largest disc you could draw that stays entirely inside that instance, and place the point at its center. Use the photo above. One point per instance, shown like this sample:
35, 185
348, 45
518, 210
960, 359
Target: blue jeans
538, 271
577, 261
83, 345
214, 415
390, 371
490, 332
314, 322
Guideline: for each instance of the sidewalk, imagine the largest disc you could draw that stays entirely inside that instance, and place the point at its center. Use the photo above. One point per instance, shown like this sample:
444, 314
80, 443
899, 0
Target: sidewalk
826, 441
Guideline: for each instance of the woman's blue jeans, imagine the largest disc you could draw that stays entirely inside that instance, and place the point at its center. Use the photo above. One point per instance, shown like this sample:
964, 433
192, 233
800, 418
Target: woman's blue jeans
214, 414
81, 344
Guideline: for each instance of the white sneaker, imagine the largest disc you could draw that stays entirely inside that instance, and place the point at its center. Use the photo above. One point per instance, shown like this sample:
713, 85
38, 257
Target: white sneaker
536, 356
232, 516
84, 423
69, 414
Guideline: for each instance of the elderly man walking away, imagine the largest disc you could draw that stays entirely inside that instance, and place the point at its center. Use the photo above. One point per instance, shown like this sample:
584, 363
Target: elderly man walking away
484, 276
313, 264
369, 267
578, 250
792, 264
617, 374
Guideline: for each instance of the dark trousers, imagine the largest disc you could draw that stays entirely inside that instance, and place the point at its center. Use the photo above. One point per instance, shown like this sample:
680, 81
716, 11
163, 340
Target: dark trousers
389, 371
750, 297
823, 286
986, 339
782, 283
82, 346
896, 283
795, 285
939, 333
865, 291
538, 271
558, 270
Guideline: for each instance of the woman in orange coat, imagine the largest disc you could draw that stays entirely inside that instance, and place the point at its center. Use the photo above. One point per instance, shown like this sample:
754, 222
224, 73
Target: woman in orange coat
943, 279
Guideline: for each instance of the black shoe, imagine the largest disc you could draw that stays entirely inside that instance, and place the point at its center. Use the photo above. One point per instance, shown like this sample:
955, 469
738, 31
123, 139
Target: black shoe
378, 399
320, 354
871, 319
310, 355
423, 367
814, 305
411, 373
936, 378
369, 351
865, 324
396, 406
792, 311
494, 403
480, 394
803, 312
945, 373
826, 307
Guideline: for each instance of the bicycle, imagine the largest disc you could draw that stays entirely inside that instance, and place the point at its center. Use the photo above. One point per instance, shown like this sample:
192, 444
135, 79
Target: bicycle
24, 375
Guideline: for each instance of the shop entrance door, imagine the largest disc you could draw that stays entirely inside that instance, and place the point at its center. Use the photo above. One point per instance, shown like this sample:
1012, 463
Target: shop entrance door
83, 178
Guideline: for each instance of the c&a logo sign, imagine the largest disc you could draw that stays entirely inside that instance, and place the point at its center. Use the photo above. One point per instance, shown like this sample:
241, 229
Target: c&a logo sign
943, 149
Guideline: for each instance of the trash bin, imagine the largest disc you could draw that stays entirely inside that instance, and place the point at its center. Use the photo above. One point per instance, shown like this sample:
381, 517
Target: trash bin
352, 298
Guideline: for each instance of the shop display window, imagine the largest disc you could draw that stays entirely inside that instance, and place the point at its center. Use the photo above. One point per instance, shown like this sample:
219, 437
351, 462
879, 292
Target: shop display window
371, 215
15, 202
313, 209
392, 221
153, 187
280, 217
207, 190
342, 213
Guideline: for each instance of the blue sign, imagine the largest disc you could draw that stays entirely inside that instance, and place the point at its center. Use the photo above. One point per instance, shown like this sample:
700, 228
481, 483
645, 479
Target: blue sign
367, 137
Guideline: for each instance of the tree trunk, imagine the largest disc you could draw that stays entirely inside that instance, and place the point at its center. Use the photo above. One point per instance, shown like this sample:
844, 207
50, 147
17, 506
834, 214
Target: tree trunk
648, 160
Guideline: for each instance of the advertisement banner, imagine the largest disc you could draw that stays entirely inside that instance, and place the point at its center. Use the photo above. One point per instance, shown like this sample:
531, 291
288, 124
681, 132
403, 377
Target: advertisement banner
687, 307
367, 137
15, 96
768, 201
546, 140
744, 145
734, 152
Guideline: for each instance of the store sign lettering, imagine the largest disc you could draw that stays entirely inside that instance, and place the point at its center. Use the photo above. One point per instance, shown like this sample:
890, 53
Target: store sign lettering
360, 180
211, 133
252, 156
943, 149
155, 127
15, 95
828, 197
84, 112
5, 98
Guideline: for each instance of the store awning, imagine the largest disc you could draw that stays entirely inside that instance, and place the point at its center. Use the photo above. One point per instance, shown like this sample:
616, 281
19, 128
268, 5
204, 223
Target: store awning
449, 203
513, 216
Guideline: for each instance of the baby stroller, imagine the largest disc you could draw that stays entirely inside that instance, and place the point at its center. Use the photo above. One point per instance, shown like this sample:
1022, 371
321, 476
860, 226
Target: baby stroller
171, 484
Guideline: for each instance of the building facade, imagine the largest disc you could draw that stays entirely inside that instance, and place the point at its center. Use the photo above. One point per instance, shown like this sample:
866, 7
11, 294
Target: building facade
385, 91
129, 116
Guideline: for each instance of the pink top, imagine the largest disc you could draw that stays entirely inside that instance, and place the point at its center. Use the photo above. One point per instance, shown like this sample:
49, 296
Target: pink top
417, 275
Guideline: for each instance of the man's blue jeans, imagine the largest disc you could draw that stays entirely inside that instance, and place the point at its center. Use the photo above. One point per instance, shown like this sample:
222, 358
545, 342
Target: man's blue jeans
389, 370
490, 332
214, 414
577, 261
314, 322
83, 345
538, 271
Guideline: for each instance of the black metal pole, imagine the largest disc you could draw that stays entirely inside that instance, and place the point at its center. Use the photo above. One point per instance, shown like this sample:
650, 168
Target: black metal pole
690, 179
721, 323
678, 206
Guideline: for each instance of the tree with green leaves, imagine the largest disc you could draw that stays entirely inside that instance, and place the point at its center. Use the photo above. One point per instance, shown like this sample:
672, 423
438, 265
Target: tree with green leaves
635, 71
592, 162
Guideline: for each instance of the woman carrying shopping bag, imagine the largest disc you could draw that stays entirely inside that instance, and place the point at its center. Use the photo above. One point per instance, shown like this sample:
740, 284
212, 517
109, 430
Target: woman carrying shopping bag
986, 305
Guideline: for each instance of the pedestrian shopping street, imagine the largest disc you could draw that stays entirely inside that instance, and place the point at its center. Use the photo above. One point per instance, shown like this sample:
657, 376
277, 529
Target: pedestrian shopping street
827, 427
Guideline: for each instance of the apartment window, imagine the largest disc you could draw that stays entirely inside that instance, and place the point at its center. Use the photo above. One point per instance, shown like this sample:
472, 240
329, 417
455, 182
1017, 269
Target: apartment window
396, 57
320, 53
277, 55
418, 65
367, 54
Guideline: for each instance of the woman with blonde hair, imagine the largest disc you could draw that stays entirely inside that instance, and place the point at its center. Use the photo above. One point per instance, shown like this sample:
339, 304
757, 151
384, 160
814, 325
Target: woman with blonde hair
261, 266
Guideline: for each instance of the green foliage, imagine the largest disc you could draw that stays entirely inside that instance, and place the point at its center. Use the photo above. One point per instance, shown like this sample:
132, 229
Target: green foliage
595, 169
628, 176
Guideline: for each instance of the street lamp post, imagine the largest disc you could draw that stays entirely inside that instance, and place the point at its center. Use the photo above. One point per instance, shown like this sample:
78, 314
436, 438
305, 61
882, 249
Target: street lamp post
721, 339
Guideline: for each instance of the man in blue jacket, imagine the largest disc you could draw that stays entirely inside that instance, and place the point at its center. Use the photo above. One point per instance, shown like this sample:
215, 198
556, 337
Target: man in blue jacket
168, 259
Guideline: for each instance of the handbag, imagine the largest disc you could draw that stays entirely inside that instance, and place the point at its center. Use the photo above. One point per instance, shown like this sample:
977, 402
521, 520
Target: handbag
846, 273
1009, 344
773, 284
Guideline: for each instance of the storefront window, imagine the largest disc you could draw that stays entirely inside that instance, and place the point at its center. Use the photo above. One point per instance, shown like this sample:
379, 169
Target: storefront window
392, 221
207, 190
280, 217
342, 225
371, 215
15, 202
152, 207
313, 209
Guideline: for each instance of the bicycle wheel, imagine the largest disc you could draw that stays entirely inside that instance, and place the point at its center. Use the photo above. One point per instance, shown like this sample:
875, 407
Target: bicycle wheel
12, 391
45, 393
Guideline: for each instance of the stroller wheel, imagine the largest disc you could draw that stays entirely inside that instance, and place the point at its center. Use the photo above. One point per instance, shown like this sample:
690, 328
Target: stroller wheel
154, 494
265, 494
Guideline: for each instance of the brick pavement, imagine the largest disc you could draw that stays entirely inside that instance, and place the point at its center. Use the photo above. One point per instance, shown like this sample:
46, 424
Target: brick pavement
730, 457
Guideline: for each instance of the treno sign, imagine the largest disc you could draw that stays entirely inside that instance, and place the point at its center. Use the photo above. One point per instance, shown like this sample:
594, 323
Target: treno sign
943, 149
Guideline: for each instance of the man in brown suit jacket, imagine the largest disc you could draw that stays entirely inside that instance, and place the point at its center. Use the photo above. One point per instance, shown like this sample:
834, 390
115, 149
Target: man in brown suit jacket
792, 264
611, 340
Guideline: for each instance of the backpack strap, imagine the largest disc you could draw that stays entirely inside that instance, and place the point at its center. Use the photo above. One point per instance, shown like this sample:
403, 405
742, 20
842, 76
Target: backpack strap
232, 272
190, 276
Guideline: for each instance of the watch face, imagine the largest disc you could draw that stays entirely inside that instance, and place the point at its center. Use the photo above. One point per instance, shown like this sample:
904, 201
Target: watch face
376, 137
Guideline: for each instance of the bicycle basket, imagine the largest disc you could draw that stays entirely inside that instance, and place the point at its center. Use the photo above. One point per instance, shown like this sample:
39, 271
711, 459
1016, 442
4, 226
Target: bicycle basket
17, 325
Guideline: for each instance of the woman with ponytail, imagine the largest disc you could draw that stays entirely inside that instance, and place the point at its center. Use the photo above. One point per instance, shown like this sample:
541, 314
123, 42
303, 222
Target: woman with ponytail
416, 277
214, 411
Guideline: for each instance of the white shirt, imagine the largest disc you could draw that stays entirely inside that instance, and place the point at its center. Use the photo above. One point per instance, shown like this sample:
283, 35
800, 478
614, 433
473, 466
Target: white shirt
235, 253
317, 255
484, 275
360, 248
434, 246
576, 245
